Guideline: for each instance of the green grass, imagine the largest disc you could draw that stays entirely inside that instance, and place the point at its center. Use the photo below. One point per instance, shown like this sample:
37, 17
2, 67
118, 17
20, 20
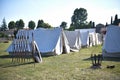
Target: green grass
73, 66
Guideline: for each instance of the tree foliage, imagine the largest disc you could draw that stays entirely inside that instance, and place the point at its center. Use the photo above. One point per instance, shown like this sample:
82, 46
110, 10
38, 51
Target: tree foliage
41, 24
4, 25
46, 25
116, 20
91, 24
63, 25
111, 20
31, 24
11, 25
19, 24
71, 28
79, 17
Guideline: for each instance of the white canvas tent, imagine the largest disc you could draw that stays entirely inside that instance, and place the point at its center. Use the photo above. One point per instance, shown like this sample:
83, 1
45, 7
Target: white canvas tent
111, 46
49, 41
89, 37
73, 38
84, 36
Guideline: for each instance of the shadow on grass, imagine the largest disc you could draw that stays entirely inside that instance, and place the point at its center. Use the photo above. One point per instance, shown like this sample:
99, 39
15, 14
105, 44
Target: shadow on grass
116, 59
16, 64
9, 56
5, 56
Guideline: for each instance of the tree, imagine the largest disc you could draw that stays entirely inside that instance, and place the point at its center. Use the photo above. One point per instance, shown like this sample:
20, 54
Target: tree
4, 25
71, 28
31, 24
63, 25
106, 24
93, 24
115, 20
19, 24
42, 24
79, 17
116, 17
11, 25
111, 20
46, 25
90, 24
86, 25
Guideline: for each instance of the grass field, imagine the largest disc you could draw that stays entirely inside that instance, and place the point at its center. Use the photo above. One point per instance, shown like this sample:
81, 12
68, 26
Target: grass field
73, 66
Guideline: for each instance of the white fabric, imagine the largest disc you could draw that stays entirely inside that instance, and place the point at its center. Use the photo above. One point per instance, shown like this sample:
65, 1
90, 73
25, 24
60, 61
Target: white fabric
98, 38
85, 30
112, 41
84, 38
65, 43
92, 39
95, 39
73, 38
47, 39
87, 36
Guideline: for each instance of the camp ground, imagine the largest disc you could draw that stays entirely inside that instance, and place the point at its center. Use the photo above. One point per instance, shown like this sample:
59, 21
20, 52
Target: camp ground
111, 46
32, 45
59, 39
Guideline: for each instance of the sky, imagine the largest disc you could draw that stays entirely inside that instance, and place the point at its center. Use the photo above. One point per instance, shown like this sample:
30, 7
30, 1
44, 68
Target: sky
54, 12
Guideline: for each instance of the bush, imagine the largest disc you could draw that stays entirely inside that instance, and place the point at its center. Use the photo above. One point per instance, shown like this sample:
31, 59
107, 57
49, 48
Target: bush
2, 35
6, 41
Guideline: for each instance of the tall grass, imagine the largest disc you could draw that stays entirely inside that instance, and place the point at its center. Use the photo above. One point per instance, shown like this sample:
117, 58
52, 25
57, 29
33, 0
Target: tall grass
72, 66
